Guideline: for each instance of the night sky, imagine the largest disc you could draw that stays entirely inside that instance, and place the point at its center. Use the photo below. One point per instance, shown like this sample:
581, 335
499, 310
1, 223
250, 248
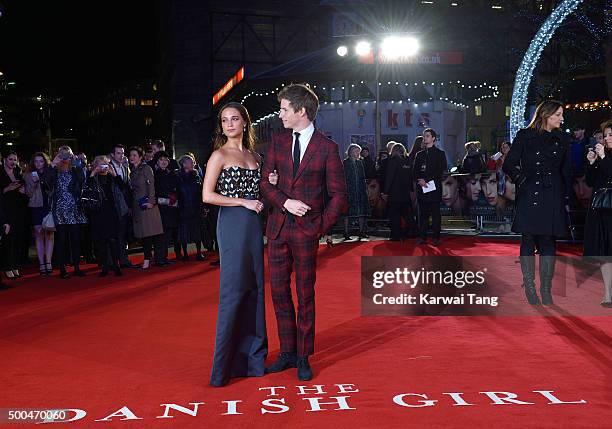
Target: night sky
77, 47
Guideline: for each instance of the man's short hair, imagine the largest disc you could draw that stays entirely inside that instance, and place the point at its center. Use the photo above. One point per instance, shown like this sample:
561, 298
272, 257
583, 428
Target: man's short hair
159, 143
301, 96
432, 132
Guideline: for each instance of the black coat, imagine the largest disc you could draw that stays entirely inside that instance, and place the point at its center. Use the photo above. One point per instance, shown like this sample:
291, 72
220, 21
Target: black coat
598, 225
369, 167
539, 165
166, 183
474, 163
15, 203
104, 223
398, 180
3, 218
430, 164
190, 195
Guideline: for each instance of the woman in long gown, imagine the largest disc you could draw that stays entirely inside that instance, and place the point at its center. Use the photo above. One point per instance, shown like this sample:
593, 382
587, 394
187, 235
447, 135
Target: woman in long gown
232, 182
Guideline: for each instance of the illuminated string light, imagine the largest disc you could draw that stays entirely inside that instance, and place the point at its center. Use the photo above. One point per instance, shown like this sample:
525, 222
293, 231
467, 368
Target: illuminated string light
530, 60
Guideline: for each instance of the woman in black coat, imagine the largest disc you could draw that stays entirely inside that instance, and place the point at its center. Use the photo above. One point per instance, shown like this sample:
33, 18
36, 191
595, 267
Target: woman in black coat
598, 224
12, 187
190, 207
539, 164
5, 229
105, 222
398, 184
166, 188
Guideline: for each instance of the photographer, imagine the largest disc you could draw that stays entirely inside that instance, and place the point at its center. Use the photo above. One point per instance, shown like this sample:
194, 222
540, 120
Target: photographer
105, 220
66, 179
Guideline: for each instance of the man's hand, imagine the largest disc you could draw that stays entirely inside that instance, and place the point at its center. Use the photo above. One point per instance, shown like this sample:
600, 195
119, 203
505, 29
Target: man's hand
422, 183
273, 178
7, 228
296, 207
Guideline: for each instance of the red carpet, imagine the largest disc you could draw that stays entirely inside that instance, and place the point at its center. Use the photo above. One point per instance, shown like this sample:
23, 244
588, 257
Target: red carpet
146, 339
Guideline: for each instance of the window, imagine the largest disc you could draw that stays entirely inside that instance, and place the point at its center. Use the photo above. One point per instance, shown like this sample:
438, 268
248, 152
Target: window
148, 121
478, 110
130, 101
508, 109
146, 102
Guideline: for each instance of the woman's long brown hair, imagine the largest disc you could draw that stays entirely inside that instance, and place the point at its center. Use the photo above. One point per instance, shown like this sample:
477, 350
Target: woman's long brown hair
248, 137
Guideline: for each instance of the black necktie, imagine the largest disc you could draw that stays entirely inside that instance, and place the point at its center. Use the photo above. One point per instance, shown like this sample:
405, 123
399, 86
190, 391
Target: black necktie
296, 154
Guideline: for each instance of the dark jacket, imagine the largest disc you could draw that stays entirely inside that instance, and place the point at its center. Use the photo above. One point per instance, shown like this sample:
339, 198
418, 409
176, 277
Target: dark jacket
190, 195
104, 223
539, 164
166, 186
474, 162
15, 203
3, 218
430, 164
369, 166
398, 180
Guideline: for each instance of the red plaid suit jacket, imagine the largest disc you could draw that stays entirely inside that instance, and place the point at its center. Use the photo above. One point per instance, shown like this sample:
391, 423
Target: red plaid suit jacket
320, 174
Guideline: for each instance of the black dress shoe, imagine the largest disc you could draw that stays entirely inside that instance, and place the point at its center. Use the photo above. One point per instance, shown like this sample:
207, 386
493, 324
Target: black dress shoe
104, 272
64, 275
200, 257
215, 263
79, 273
117, 271
284, 361
303, 369
421, 241
436, 242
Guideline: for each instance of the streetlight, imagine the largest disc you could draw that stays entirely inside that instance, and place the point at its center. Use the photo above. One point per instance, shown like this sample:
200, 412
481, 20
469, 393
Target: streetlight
342, 51
392, 48
363, 48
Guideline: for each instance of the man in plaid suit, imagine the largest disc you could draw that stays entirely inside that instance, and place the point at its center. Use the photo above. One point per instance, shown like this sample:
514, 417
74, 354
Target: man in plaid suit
308, 167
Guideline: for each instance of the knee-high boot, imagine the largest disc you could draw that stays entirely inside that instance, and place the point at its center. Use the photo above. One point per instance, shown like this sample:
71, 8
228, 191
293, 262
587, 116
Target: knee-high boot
528, 269
547, 271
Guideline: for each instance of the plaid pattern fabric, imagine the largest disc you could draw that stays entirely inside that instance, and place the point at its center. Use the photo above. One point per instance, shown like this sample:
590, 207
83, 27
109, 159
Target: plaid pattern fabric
293, 245
320, 171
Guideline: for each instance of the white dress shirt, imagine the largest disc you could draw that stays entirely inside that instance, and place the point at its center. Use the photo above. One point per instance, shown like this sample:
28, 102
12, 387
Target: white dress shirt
305, 136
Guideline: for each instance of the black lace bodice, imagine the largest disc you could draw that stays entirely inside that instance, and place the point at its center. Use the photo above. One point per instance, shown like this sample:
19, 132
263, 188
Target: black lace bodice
238, 182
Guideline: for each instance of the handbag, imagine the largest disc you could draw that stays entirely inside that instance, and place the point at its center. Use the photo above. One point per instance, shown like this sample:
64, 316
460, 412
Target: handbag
602, 199
142, 202
92, 196
48, 224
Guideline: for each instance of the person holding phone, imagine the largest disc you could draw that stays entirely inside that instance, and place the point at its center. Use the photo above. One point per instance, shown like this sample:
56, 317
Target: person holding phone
38, 191
16, 210
67, 183
598, 224
113, 207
